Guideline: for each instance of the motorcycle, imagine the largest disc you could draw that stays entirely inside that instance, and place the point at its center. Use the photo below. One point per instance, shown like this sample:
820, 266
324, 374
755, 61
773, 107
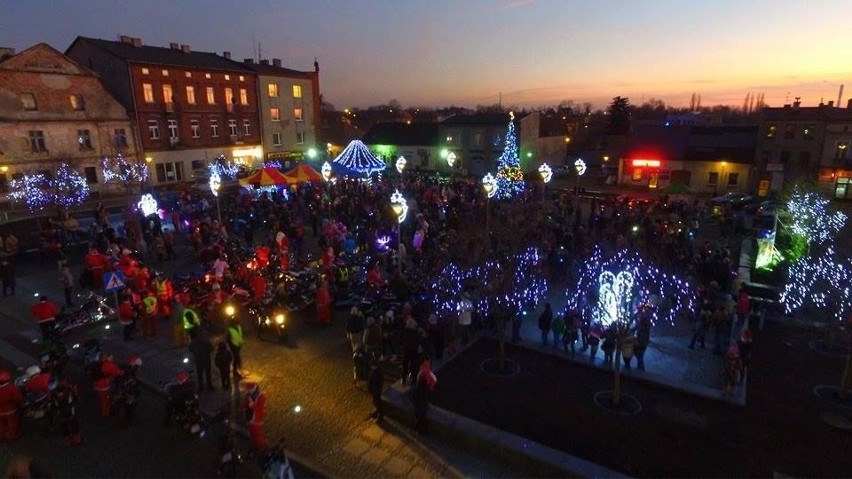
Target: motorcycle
274, 463
37, 404
187, 414
231, 456
94, 309
269, 320
125, 396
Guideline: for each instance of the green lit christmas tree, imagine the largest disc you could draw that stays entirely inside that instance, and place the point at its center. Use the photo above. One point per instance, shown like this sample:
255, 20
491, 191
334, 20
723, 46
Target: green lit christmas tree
510, 178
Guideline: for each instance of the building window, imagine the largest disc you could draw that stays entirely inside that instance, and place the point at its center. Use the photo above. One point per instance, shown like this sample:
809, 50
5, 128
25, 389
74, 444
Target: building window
789, 132
214, 128
298, 114
91, 174
247, 127
84, 140
188, 74
275, 114
190, 95
120, 135
229, 99
28, 101
713, 178
232, 128
195, 127
300, 137
154, 129
37, 142
297, 91
169, 172
804, 157
207, 76
637, 174
173, 130
211, 96
276, 139
242, 78
77, 102
227, 77
148, 92
785, 156
771, 131
841, 150
808, 132
272, 88
478, 139
165, 73
243, 96
168, 94
145, 71
733, 179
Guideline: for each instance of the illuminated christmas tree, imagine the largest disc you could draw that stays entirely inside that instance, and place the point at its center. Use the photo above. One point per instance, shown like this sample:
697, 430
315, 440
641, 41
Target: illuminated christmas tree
68, 188
31, 190
510, 178
126, 173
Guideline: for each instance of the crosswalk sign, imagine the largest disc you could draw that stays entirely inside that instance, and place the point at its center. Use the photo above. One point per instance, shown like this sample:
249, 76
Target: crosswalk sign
114, 281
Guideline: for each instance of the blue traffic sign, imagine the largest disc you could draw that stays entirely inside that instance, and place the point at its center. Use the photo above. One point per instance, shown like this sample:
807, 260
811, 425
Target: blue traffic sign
114, 281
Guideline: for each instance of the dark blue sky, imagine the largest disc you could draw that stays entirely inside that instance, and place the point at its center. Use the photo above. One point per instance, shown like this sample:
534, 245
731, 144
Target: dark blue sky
466, 52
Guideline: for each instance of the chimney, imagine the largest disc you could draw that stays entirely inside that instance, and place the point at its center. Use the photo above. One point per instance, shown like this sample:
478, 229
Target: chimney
248, 61
227, 55
137, 42
276, 62
185, 48
316, 65
839, 95
174, 46
125, 39
849, 104
264, 62
831, 103
6, 52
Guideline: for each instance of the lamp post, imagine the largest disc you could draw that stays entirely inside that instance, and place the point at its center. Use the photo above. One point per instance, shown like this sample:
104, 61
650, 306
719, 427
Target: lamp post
546, 175
489, 184
400, 209
580, 168
451, 162
216, 183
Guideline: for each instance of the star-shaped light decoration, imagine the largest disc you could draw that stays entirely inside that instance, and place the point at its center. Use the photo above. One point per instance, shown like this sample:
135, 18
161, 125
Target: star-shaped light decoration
399, 205
545, 172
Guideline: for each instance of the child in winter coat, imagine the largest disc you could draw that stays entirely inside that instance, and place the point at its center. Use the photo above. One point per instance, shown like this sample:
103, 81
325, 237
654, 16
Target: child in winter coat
224, 358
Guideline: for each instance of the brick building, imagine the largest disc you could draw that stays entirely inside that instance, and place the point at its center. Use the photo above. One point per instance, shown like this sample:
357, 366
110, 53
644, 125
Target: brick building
54, 110
188, 108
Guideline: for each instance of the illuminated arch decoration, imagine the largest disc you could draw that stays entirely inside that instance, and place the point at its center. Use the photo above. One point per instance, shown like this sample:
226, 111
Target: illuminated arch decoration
358, 158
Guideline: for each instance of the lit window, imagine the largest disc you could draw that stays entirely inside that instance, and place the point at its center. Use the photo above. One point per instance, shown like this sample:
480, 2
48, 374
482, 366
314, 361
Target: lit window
145, 71
841, 150
232, 128
275, 114
227, 77
84, 140
771, 131
297, 91
77, 102
190, 95
37, 142
207, 75
298, 114
195, 127
242, 78
211, 96
148, 92
808, 132
165, 73
154, 129
243, 96
28, 101
229, 97
247, 127
188, 74
214, 128
272, 88
637, 174
168, 95
276, 139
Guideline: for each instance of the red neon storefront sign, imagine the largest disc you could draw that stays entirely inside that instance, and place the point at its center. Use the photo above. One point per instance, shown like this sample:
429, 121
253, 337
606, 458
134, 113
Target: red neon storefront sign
646, 163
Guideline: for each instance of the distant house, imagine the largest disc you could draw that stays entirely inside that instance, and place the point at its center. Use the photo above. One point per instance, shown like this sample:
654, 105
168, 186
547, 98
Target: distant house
417, 142
477, 140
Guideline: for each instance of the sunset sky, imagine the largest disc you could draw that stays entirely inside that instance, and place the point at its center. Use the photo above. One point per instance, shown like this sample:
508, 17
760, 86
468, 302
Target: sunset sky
467, 52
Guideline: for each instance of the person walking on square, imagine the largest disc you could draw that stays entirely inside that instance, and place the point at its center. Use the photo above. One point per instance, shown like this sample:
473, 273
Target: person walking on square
223, 360
545, 322
595, 333
256, 414
375, 385
421, 395
465, 318
66, 280
558, 328
150, 310
643, 338
8, 277
202, 351
235, 343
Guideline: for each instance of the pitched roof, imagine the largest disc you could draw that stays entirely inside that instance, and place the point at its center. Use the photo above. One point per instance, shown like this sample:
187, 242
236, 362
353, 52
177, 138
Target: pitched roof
402, 134
267, 69
479, 119
163, 56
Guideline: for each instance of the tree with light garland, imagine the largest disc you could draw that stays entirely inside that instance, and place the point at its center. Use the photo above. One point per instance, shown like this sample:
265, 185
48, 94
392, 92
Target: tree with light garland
510, 177
615, 291
125, 173
227, 170
32, 190
68, 188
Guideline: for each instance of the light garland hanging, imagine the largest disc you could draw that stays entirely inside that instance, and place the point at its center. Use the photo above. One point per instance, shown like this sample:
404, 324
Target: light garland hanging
357, 157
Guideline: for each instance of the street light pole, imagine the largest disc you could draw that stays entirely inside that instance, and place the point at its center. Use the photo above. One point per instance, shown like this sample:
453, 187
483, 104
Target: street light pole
216, 183
400, 209
489, 184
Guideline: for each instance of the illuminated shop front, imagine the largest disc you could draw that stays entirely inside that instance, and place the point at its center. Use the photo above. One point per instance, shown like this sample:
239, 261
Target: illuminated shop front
836, 182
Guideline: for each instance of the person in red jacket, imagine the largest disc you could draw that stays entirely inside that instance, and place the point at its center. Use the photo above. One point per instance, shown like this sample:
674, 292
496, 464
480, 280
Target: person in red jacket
323, 301
127, 316
262, 254
45, 312
96, 263
11, 401
256, 413
103, 385
259, 286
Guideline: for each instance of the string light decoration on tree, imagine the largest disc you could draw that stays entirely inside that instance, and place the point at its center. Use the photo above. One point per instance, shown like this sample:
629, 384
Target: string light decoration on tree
358, 158
612, 289
68, 188
119, 170
822, 282
811, 218
227, 170
31, 190
510, 177
273, 164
